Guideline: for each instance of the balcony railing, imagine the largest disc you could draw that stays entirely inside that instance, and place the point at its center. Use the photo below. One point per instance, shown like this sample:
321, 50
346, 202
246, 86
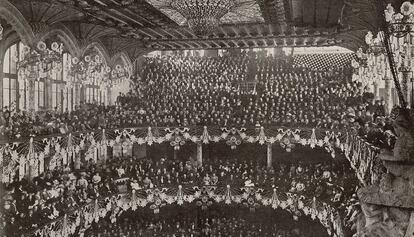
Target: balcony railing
81, 219
30, 150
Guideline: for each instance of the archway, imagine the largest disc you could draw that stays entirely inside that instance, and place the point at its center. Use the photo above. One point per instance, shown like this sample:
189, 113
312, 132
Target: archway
65, 36
13, 16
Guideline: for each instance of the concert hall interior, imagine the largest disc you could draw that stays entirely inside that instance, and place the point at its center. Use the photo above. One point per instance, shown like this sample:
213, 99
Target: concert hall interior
186, 118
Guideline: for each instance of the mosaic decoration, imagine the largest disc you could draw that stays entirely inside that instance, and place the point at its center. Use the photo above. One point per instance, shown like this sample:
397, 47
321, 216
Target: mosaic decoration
244, 11
324, 61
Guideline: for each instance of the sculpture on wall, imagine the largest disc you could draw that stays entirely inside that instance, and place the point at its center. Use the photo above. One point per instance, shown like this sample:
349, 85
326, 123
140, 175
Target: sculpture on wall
388, 206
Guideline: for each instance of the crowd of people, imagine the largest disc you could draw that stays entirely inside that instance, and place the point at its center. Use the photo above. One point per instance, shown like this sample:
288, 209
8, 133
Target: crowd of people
184, 91
29, 205
218, 221
195, 91
189, 91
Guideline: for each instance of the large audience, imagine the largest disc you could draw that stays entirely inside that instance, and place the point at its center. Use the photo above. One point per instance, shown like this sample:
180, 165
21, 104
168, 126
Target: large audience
219, 221
195, 91
189, 91
29, 205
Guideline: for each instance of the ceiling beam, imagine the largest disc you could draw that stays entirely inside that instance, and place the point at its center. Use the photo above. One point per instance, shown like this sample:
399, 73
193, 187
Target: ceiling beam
280, 36
198, 44
235, 43
247, 31
236, 32
225, 43
146, 33
166, 32
181, 34
190, 32
223, 32
157, 33
214, 42
244, 44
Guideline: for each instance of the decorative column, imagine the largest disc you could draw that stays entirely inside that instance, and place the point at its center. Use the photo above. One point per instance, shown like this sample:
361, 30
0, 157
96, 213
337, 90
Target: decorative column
109, 97
31, 91
94, 153
77, 163
82, 94
388, 102
103, 148
41, 164
411, 102
32, 162
269, 155
199, 154
48, 94
22, 171
404, 82
376, 89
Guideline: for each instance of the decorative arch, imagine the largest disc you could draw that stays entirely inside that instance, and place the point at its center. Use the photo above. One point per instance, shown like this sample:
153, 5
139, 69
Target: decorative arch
100, 49
65, 35
124, 58
10, 37
12, 15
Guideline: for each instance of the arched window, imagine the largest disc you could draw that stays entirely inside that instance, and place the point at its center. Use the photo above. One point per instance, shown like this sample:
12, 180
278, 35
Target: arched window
15, 93
10, 83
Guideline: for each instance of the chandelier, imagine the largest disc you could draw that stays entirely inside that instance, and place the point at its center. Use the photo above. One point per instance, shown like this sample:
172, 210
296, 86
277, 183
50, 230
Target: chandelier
119, 74
401, 23
375, 44
399, 42
40, 61
390, 53
89, 69
203, 16
92, 70
371, 65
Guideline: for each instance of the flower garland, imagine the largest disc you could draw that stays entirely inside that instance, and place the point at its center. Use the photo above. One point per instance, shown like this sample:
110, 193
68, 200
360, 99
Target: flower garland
362, 157
360, 153
204, 196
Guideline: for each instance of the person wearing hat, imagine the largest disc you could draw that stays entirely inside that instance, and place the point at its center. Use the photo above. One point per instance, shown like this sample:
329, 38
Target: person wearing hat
82, 182
96, 178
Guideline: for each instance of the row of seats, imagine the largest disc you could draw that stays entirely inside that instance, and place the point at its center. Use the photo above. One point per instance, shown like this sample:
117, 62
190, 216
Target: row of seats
215, 222
29, 205
187, 91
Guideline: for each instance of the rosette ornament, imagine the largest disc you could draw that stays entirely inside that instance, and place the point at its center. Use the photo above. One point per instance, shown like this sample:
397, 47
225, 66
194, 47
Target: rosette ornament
40, 61
400, 23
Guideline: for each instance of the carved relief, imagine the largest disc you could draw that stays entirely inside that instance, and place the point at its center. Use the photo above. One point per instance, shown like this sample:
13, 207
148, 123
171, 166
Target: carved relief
387, 207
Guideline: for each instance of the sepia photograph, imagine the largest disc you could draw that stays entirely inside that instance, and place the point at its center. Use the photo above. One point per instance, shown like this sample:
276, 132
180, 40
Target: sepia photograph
207, 118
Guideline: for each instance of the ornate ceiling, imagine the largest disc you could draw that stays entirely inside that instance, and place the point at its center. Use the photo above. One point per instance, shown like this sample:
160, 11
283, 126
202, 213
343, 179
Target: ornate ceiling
138, 26
245, 11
